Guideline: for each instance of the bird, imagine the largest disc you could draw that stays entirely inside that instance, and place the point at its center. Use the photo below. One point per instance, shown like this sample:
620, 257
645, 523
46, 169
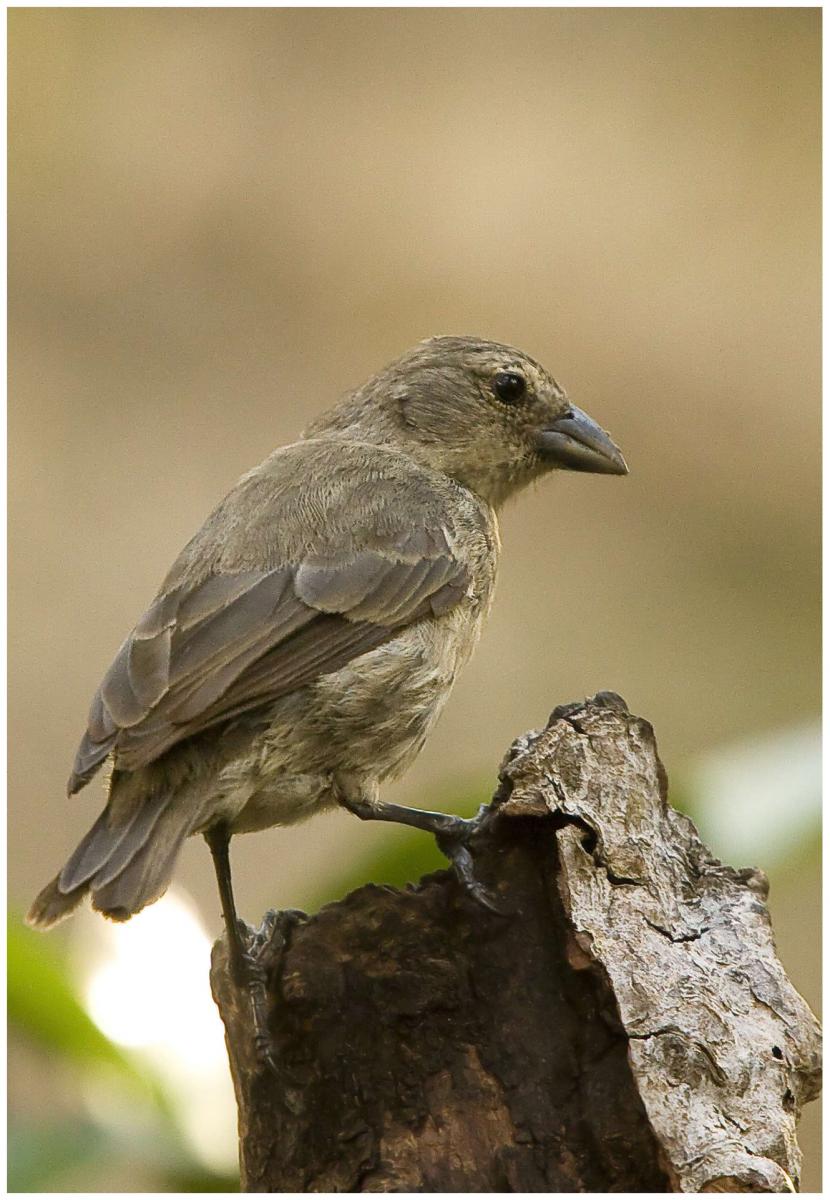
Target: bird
303, 644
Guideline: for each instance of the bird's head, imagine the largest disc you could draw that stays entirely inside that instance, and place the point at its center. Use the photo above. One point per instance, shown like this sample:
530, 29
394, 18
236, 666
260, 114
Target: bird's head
483, 413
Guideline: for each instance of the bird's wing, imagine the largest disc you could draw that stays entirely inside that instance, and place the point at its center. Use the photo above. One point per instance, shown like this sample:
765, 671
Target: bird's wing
203, 653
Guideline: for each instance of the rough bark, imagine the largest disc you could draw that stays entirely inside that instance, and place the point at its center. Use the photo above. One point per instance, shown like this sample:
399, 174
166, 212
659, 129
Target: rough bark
627, 1027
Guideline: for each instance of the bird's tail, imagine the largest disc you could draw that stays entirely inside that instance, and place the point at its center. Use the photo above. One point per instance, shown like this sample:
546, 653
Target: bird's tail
124, 864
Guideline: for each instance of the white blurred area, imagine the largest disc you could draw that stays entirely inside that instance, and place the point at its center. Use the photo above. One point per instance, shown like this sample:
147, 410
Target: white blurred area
146, 985
758, 801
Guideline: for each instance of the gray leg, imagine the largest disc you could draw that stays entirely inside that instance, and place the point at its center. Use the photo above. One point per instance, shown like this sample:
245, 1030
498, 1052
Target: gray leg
219, 839
452, 834
248, 950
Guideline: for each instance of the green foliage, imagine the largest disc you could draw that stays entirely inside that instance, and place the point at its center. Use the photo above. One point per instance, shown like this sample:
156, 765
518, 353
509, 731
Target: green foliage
44, 1006
40, 1153
43, 1157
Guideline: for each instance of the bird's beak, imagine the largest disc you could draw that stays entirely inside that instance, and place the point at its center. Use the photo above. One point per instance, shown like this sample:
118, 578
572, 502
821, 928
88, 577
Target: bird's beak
577, 443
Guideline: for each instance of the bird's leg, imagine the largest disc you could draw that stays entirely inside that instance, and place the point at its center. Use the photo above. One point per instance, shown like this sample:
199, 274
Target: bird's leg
218, 839
452, 834
251, 954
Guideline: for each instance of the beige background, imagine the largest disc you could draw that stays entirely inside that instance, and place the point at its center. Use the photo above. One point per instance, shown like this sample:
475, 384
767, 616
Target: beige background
220, 219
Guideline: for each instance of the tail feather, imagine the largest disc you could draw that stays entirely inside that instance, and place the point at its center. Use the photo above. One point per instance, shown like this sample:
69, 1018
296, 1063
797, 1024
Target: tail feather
53, 906
135, 837
89, 855
110, 842
146, 877
125, 868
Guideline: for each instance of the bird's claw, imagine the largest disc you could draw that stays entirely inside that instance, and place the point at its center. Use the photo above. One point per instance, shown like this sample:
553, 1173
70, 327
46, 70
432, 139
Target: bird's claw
258, 995
259, 955
454, 842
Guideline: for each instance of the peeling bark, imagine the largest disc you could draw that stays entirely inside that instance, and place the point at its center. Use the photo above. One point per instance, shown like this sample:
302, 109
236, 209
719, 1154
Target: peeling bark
626, 1027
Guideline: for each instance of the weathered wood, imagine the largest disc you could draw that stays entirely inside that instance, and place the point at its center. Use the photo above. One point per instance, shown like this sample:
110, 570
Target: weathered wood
627, 1027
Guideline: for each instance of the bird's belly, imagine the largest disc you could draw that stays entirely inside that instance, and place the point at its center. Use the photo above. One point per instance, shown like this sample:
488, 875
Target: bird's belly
366, 722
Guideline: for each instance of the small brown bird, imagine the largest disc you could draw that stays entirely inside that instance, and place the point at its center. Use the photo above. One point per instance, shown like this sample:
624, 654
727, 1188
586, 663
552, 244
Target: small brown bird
306, 639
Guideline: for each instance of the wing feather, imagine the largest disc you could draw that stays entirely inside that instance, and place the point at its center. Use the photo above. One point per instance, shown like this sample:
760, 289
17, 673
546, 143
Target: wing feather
235, 641
119, 700
216, 593
148, 666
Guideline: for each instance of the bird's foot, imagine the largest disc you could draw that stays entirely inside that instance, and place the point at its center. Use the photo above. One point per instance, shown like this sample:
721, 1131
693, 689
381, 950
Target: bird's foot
454, 842
255, 957
453, 835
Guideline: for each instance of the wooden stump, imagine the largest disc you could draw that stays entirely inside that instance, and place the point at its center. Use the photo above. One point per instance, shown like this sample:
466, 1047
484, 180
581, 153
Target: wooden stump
625, 1027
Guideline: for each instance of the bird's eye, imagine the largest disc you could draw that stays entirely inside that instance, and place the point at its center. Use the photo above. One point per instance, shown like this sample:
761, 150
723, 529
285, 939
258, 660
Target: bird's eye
509, 386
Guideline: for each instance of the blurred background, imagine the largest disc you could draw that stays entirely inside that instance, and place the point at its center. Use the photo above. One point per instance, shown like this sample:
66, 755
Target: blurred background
221, 219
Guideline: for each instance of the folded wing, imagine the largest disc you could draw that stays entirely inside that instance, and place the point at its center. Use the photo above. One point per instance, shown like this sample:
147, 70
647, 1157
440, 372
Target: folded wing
206, 652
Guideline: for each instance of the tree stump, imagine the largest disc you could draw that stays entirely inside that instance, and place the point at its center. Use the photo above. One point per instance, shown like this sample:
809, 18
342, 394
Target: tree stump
625, 1026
